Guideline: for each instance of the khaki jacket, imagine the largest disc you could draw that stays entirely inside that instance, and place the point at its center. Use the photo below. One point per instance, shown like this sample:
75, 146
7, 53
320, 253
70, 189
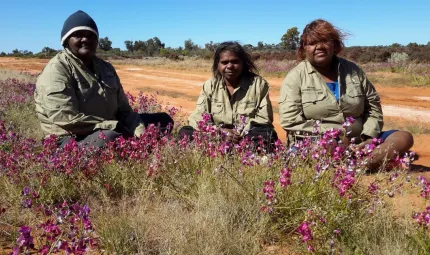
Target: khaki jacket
71, 99
250, 99
305, 98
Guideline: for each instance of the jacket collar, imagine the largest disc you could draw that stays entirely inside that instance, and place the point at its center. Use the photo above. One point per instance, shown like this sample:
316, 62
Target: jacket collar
96, 64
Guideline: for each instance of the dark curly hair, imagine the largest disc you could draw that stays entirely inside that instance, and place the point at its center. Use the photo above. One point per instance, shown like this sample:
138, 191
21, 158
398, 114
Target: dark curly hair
320, 31
248, 65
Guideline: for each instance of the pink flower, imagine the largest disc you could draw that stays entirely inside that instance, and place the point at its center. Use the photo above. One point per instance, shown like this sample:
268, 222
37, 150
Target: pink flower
305, 231
285, 178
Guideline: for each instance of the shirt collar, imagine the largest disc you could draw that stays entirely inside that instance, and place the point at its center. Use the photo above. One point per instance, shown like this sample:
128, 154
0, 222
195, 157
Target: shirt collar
310, 69
243, 82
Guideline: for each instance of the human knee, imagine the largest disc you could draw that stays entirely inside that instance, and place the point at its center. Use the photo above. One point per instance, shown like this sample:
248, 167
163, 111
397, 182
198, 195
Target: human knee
401, 140
186, 131
110, 135
165, 119
407, 139
267, 133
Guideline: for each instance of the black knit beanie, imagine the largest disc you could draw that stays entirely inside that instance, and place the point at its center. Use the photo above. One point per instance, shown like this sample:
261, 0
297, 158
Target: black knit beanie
78, 21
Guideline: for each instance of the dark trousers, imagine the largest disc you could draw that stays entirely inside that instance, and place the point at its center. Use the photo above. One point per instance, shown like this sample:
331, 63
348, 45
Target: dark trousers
93, 139
257, 131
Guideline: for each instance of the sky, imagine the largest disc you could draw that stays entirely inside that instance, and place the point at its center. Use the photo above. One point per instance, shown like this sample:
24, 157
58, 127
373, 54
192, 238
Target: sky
32, 24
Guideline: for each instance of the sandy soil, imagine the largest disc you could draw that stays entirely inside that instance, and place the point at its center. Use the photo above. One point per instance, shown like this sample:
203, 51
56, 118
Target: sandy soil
181, 88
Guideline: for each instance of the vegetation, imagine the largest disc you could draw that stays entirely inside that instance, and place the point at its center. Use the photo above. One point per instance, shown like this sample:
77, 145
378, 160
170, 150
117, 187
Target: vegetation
158, 195
105, 44
284, 50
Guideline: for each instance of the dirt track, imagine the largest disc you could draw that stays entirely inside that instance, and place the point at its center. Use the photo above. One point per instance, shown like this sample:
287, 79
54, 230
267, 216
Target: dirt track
181, 88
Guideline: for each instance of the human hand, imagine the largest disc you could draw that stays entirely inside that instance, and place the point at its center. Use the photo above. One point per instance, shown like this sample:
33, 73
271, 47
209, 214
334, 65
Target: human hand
362, 145
344, 141
230, 135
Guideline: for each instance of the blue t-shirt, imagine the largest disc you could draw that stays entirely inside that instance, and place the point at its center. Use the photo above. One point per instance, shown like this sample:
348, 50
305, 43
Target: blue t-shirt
334, 87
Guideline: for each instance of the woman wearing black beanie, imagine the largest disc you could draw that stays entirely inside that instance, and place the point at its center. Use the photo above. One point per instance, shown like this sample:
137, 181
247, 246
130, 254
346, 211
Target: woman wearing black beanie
78, 94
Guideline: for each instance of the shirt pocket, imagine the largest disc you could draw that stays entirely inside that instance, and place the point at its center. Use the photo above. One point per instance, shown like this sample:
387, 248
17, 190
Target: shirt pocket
217, 112
216, 107
312, 98
353, 101
246, 108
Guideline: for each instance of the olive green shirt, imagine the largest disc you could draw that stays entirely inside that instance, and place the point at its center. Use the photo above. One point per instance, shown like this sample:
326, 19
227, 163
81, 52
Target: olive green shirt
72, 99
305, 98
250, 100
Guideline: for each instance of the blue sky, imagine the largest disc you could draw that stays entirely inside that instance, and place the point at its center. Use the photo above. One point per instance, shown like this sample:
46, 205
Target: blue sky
32, 25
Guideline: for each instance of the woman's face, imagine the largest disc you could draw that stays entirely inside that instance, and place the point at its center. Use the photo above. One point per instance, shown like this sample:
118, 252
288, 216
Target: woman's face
83, 44
230, 66
320, 53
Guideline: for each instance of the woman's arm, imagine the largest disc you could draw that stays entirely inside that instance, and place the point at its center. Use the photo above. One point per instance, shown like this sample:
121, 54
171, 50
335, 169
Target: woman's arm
264, 113
372, 117
290, 105
130, 119
58, 105
202, 106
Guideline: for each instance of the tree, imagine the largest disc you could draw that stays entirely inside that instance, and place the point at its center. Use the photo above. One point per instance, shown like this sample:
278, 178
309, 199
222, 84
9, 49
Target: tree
26, 52
260, 45
2, 54
140, 46
105, 44
158, 43
210, 46
129, 45
46, 51
189, 45
248, 47
413, 45
290, 40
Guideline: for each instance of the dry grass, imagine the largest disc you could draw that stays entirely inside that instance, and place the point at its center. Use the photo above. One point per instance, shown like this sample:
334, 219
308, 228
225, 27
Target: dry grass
12, 74
414, 127
266, 68
215, 218
187, 64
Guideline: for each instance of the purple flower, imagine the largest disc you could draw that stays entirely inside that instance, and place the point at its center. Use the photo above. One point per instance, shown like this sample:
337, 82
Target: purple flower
25, 239
26, 191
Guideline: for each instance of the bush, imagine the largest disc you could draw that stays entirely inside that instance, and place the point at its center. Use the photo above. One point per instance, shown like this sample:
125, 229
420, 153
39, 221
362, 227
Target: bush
398, 58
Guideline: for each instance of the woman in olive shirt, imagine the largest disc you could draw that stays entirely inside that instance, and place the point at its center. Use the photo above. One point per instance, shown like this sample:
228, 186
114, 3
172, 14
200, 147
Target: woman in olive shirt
235, 96
326, 88
80, 95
